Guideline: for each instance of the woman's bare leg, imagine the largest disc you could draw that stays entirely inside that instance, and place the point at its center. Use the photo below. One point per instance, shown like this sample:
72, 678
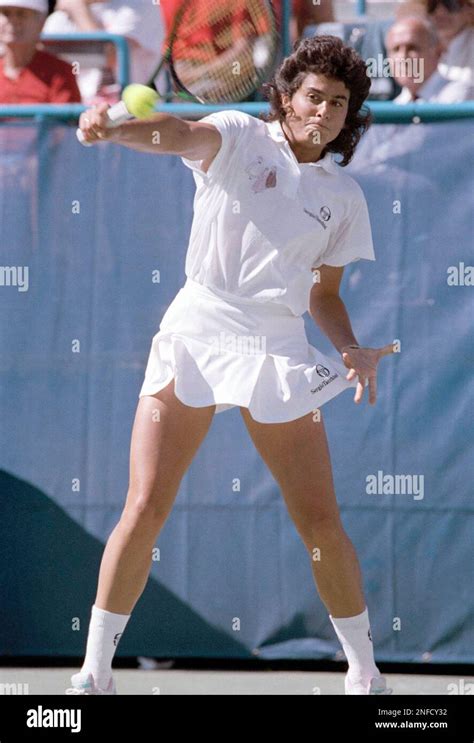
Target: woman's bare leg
297, 455
166, 435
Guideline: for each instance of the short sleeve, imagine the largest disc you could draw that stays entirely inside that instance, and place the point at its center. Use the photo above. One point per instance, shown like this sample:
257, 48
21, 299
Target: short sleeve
232, 126
353, 239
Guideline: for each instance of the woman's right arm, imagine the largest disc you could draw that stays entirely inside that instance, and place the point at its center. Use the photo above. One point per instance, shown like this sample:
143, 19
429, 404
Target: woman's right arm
161, 134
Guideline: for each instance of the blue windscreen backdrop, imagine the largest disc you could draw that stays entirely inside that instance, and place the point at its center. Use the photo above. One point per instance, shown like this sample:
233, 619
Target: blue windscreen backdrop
92, 250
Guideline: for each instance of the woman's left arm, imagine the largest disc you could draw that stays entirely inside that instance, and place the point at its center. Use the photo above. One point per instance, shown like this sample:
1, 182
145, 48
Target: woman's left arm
330, 314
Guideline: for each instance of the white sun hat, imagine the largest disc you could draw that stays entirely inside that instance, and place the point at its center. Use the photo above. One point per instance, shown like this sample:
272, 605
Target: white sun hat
41, 6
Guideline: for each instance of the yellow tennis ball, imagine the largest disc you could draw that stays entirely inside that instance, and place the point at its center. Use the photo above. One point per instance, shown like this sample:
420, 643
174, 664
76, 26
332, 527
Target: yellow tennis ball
140, 100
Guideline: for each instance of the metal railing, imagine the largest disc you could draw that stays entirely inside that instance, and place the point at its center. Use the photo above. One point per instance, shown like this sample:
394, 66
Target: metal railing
120, 42
384, 112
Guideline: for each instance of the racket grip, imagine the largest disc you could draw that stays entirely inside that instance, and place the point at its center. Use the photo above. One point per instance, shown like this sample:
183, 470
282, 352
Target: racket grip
116, 115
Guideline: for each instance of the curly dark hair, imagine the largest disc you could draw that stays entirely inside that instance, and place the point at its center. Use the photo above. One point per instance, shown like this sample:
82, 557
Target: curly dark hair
325, 55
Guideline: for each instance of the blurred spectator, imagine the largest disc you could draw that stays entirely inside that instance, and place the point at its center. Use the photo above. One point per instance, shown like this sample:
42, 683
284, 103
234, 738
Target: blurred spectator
454, 21
414, 50
305, 13
28, 75
138, 20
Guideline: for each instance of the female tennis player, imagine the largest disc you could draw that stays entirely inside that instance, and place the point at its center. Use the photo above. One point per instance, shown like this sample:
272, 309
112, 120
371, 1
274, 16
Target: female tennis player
275, 222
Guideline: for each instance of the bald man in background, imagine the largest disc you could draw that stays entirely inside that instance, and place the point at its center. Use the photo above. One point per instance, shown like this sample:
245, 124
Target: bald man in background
414, 49
454, 21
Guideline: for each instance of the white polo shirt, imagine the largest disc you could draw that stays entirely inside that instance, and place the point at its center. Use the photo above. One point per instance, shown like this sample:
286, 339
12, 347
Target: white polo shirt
262, 220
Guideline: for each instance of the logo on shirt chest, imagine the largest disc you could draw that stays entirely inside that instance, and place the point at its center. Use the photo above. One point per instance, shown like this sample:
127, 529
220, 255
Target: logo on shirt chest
324, 216
261, 175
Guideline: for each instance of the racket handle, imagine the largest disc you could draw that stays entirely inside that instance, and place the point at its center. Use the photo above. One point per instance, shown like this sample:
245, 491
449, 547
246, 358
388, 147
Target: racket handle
116, 115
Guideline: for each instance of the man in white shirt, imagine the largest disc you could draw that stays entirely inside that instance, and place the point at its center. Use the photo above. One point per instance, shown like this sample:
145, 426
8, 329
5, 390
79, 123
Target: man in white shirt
414, 49
139, 21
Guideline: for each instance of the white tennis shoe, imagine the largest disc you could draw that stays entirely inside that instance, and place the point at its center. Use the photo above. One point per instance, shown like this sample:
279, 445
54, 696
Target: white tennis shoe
376, 685
83, 683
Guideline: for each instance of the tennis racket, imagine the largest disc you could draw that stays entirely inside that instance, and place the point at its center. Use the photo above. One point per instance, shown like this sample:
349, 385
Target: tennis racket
218, 51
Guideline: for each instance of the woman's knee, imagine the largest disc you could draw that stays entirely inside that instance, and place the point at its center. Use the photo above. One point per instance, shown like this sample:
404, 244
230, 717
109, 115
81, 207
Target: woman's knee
147, 510
320, 527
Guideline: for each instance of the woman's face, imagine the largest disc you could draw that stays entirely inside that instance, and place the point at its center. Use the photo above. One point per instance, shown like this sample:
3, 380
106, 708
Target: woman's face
319, 109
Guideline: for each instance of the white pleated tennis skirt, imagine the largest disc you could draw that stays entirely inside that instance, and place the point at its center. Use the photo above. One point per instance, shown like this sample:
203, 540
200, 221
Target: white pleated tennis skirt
229, 351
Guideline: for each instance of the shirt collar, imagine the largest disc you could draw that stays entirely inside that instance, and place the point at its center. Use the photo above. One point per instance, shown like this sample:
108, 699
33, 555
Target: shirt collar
278, 135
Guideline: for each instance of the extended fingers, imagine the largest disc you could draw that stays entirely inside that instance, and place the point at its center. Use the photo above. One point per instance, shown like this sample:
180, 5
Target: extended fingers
372, 389
361, 385
367, 373
359, 390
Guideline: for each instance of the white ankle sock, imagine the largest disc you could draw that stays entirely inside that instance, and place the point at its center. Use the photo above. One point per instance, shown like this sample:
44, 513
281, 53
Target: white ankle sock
355, 637
105, 630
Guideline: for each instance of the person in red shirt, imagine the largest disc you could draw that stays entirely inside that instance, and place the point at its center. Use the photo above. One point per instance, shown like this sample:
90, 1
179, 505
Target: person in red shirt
305, 12
28, 75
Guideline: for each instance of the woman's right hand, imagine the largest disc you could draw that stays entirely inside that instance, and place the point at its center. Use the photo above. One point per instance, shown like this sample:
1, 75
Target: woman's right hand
93, 124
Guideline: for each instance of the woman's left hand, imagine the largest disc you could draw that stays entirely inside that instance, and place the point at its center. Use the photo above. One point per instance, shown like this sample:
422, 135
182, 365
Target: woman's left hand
362, 363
